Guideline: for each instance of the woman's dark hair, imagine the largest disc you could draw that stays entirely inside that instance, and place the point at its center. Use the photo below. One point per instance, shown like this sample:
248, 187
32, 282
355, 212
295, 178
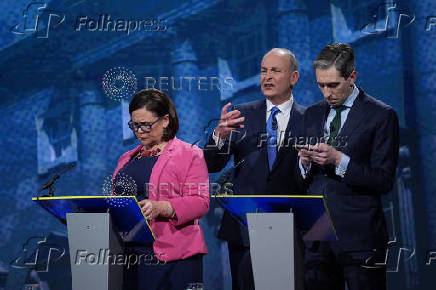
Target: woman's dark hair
160, 104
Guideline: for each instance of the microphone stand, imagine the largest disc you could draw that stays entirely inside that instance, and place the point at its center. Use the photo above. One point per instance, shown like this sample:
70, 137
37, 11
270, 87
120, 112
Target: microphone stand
50, 185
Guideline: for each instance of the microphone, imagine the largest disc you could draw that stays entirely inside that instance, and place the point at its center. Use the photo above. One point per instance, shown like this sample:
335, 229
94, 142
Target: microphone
49, 184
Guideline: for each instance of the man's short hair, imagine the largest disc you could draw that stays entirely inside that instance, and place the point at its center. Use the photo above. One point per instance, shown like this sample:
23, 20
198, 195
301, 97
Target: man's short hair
293, 63
341, 55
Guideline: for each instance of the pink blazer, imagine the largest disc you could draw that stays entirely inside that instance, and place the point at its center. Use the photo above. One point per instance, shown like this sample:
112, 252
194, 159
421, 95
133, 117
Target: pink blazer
179, 176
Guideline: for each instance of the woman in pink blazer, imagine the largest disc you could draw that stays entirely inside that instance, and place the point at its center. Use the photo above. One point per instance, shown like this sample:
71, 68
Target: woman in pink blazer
172, 184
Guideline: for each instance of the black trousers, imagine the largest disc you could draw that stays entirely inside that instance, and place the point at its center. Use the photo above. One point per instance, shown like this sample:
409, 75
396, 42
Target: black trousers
152, 274
328, 267
240, 267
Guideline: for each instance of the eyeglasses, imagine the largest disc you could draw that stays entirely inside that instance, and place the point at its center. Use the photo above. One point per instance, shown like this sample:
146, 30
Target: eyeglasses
145, 126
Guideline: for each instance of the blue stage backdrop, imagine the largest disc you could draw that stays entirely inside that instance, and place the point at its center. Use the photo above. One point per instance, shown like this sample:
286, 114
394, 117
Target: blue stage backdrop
69, 68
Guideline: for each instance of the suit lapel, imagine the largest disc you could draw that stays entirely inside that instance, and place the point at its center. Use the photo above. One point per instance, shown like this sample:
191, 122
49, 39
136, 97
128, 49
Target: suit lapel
355, 116
259, 121
160, 165
255, 123
319, 125
259, 129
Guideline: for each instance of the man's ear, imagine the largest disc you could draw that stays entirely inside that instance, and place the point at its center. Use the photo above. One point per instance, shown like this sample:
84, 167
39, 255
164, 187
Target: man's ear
293, 79
353, 77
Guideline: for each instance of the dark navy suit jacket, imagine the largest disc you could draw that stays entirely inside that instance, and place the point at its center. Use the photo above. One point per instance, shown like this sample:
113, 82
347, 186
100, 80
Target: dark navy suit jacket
370, 137
252, 175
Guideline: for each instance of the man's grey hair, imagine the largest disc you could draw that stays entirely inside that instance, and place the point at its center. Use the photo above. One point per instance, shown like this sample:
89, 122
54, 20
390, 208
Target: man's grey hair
341, 55
293, 63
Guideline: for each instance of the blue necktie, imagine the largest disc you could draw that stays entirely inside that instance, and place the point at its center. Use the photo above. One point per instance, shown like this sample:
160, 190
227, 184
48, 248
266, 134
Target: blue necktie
271, 131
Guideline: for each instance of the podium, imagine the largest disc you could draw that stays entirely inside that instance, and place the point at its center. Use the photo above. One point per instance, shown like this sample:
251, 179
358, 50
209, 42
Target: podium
272, 221
97, 228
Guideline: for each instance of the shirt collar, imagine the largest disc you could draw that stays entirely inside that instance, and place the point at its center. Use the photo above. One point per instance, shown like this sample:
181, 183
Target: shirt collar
284, 107
351, 98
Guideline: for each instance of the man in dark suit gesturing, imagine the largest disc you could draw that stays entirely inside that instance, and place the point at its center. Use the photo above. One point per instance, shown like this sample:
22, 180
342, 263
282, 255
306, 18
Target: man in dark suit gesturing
351, 170
260, 168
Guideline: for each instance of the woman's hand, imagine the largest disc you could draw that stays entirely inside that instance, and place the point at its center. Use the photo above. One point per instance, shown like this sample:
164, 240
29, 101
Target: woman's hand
152, 209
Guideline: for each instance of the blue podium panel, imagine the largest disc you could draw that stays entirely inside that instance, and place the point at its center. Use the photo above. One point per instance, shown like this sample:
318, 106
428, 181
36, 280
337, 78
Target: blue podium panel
125, 212
310, 211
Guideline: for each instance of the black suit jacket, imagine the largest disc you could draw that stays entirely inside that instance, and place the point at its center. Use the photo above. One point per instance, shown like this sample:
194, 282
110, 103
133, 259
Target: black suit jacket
252, 174
370, 137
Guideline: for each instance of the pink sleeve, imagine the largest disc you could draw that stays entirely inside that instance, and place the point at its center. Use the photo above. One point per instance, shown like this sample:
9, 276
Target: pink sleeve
194, 202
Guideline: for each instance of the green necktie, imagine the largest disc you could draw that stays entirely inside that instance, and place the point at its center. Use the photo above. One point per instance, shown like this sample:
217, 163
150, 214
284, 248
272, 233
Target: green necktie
335, 125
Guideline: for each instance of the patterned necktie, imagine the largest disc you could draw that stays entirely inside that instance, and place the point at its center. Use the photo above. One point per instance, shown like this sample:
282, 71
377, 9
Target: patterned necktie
271, 130
335, 126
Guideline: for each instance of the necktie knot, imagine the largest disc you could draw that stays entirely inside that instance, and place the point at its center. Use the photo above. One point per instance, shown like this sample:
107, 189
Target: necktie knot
339, 108
275, 110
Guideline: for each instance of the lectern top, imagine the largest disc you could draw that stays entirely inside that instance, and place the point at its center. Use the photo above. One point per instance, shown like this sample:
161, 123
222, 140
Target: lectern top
125, 211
